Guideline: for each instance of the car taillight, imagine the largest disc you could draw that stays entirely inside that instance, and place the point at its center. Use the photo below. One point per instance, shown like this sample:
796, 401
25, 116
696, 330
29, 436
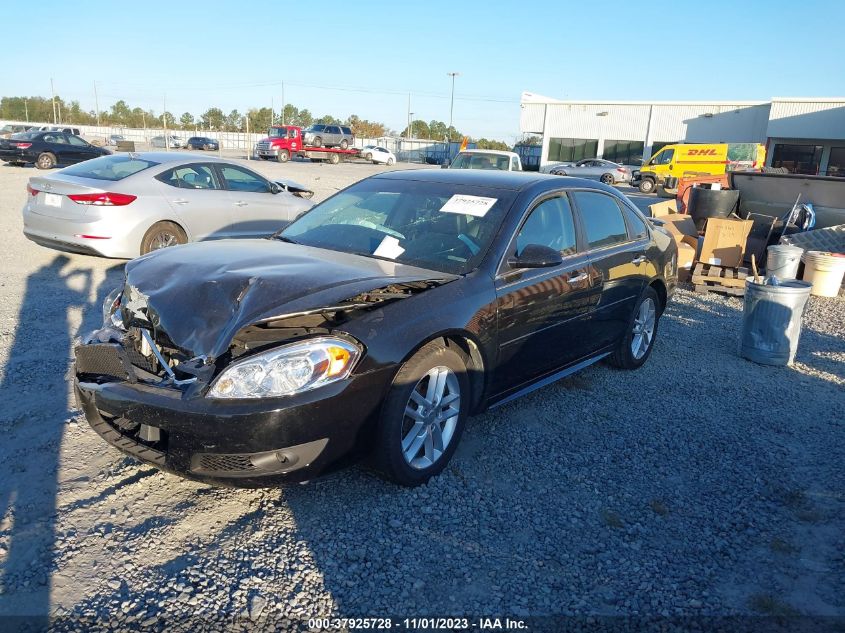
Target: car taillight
31, 190
622, 170
105, 199
22, 145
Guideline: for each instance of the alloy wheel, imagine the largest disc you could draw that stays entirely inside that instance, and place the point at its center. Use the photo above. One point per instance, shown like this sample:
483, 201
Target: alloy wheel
163, 239
643, 331
431, 417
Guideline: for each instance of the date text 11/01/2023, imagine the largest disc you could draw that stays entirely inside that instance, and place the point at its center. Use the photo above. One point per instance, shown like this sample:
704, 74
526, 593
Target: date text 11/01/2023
418, 624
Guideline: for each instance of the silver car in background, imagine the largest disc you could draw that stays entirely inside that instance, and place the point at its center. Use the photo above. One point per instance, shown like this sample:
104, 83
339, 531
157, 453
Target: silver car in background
595, 168
125, 205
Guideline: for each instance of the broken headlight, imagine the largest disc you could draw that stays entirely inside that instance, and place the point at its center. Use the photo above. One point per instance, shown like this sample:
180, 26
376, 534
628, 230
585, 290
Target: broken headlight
111, 309
288, 369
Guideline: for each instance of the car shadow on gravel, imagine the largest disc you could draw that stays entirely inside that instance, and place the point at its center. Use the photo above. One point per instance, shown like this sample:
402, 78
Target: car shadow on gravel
36, 409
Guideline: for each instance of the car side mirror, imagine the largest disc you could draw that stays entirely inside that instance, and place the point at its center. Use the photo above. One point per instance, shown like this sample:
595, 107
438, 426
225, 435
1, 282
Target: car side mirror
275, 188
536, 256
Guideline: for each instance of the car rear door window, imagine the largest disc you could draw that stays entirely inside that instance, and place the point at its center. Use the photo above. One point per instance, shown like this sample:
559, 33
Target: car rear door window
636, 226
549, 224
190, 177
238, 179
602, 218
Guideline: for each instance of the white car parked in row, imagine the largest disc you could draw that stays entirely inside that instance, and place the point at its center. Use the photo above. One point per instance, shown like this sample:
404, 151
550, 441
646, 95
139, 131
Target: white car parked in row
378, 154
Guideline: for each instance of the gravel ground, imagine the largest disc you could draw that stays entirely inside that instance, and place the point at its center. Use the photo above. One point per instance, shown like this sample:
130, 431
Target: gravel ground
701, 484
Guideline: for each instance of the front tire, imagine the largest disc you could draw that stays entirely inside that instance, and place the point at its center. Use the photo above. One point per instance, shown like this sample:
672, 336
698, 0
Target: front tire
161, 235
389, 162
318, 141
283, 156
646, 185
344, 144
607, 179
45, 160
423, 416
635, 347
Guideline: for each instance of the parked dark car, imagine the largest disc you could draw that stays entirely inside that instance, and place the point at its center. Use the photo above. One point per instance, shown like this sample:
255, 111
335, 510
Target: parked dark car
373, 324
202, 142
47, 149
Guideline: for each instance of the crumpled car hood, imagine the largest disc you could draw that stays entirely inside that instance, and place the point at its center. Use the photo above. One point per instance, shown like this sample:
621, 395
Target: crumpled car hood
201, 294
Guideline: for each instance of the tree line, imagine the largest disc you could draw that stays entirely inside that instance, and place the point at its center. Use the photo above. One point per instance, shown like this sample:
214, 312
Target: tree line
258, 120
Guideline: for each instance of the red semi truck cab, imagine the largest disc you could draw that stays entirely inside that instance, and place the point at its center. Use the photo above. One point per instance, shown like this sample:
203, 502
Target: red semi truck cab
281, 142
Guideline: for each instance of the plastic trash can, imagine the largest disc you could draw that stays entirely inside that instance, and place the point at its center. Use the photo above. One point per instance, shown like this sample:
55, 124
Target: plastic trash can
783, 260
710, 203
824, 271
771, 321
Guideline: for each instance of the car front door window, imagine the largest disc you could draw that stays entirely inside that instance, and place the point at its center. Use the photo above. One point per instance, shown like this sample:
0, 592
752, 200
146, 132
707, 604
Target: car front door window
549, 224
242, 180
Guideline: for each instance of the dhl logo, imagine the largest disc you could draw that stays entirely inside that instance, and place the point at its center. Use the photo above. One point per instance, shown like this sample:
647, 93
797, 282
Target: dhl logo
702, 152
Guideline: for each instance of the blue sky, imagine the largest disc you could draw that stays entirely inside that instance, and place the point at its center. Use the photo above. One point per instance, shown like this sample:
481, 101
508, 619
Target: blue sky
364, 57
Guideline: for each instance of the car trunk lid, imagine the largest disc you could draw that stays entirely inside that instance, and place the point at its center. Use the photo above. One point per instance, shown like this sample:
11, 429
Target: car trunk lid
52, 199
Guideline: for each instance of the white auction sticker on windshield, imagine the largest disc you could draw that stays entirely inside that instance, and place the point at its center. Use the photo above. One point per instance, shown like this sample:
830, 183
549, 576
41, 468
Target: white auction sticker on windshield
470, 205
389, 248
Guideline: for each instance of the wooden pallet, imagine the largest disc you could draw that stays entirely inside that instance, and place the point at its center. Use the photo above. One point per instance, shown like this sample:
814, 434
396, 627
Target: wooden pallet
710, 278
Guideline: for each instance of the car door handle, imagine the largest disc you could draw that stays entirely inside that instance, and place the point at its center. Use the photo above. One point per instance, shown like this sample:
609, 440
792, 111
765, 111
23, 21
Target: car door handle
577, 278
638, 260
181, 201
241, 203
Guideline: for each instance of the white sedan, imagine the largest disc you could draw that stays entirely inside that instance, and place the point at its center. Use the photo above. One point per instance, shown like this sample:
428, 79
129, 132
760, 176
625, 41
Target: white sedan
378, 154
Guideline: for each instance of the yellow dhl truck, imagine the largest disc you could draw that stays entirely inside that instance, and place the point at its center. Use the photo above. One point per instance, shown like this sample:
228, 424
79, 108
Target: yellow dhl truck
696, 159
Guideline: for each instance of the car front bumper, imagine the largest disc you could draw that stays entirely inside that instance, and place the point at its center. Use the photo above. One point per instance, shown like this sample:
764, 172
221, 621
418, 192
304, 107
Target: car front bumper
245, 443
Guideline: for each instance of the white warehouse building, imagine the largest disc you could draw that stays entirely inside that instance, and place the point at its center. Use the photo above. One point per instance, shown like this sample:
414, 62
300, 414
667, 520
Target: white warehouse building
804, 135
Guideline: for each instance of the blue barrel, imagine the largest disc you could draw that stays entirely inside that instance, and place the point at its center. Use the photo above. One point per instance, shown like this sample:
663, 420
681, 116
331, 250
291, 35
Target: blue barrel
771, 321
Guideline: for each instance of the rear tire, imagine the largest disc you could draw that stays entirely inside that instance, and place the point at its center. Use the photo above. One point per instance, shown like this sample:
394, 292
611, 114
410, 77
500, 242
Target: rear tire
344, 144
283, 156
647, 185
389, 162
635, 347
368, 156
161, 235
45, 160
334, 159
417, 433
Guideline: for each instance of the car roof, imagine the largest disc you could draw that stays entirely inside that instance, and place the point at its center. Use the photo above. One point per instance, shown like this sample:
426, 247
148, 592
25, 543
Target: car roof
496, 178
498, 152
176, 157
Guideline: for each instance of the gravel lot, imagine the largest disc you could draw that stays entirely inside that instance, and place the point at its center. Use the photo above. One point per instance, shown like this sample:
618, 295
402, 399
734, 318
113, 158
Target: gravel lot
701, 484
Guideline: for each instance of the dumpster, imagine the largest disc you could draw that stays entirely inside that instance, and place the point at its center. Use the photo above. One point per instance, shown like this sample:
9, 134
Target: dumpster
771, 321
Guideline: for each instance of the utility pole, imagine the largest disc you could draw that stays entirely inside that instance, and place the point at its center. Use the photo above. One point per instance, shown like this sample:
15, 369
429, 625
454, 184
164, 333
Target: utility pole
452, 103
283, 103
272, 106
410, 125
164, 118
408, 135
96, 103
26, 109
53, 93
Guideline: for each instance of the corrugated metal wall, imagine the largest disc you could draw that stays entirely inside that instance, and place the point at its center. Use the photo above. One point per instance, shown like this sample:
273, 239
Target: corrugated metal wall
724, 123
807, 119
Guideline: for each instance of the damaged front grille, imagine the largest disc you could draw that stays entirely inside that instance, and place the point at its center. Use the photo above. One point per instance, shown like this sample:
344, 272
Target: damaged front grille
104, 359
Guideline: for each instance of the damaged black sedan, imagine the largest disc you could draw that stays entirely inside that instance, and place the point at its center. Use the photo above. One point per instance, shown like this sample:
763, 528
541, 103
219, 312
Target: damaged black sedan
371, 326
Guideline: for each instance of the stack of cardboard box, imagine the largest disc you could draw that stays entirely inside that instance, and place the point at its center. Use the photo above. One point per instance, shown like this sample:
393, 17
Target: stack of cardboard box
723, 243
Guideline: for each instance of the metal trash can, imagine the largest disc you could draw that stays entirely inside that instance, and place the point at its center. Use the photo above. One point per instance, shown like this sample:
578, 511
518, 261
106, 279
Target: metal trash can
771, 321
783, 260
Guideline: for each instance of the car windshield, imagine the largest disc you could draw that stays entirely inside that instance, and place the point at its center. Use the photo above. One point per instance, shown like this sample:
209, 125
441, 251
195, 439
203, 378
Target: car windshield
115, 167
280, 132
24, 136
440, 226
480, 161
